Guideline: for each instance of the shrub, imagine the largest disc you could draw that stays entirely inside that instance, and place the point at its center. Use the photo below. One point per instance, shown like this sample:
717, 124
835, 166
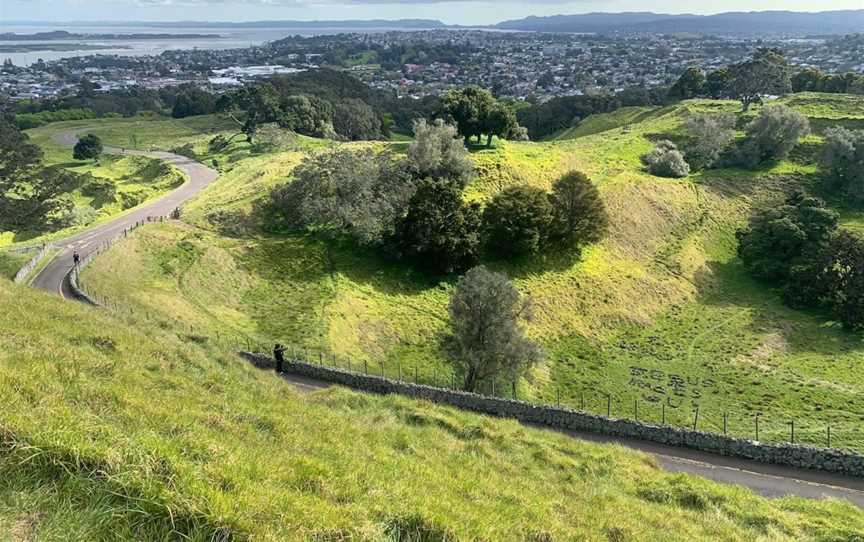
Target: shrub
665, 160
772, 135
440, 232
579, 213
518, 221
488, 342
843, 159
438, 152
217, 143
708, 137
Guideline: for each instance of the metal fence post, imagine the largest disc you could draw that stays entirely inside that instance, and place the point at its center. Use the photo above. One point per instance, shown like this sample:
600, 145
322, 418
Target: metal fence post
608, 405
792, 432
636, 409
663, 413
696, 418
829, 436
724, 423
757, 427
365, 367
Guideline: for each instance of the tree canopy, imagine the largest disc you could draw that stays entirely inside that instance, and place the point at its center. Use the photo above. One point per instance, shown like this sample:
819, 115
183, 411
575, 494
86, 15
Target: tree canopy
88, 147
487, 339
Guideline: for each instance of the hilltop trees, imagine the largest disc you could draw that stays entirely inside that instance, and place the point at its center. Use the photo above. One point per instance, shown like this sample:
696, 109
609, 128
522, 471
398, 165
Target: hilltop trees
438, 153
843, 159
766, 73
88, 147
487, 339
476, 112
690, 85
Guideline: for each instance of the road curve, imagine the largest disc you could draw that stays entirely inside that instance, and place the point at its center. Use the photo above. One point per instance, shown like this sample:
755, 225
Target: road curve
53, 277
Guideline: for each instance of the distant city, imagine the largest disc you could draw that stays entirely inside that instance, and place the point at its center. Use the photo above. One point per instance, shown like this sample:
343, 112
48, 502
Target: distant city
530, 66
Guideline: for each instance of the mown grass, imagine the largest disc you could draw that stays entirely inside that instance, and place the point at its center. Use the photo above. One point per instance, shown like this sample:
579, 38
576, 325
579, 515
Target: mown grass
663, 294
116, 429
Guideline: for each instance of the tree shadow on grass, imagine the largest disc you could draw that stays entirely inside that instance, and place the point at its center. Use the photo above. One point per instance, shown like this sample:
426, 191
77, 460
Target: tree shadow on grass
804, 331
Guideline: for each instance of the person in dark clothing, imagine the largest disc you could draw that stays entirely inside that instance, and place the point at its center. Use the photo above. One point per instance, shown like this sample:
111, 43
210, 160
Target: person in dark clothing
76, 259
279, 354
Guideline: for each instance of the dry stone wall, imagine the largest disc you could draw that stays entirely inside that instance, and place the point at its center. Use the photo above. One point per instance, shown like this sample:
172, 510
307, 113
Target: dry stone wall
793, 455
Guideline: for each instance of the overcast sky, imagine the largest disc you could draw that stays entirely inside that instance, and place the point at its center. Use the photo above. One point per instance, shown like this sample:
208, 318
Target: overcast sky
460, 11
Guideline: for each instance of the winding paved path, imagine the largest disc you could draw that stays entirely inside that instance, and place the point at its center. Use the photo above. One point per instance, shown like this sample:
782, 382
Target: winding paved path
767, 480
54, 276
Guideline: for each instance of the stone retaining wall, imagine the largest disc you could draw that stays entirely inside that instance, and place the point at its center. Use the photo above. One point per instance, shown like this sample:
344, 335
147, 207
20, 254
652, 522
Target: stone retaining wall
563, 418
31, 264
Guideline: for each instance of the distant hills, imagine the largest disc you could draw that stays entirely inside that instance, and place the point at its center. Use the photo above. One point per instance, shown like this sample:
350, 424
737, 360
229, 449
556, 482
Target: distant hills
757, 23
732, 23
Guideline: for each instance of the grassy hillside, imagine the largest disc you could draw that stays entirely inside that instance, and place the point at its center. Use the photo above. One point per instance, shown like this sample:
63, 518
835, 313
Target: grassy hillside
660, 312
113, 429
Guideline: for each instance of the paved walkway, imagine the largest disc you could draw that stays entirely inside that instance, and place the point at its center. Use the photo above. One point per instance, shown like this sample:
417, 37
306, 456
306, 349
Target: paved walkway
54, 276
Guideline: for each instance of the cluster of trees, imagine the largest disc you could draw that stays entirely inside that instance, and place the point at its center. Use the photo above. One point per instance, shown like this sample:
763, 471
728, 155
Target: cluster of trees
709, 141
32, 197
766, 73
798, 247
414, 208
476, 113
123, 102
814, 80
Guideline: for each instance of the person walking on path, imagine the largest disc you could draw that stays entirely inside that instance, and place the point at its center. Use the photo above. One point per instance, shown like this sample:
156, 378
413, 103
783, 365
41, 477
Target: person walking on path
279, 354
76, 258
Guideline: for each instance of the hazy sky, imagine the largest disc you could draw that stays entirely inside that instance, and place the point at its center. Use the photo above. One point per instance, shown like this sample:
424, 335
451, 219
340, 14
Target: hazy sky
460, 11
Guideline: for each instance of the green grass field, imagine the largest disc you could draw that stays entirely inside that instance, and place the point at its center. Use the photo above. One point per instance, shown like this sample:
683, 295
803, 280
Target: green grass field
658, 313
115, 428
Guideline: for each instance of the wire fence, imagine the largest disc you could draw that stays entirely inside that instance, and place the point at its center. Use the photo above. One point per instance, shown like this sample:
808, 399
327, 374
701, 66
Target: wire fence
736, 420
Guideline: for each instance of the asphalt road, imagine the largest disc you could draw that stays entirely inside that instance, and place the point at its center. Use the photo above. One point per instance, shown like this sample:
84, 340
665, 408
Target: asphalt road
54, 276
764, 479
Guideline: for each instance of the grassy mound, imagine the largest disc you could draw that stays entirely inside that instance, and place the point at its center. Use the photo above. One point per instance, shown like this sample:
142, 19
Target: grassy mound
659, 313
114, 429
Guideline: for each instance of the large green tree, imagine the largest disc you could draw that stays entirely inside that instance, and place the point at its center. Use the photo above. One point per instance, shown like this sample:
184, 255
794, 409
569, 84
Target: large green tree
488, 342
356, 193
578, 210
476, 112
441, 232
766, 73
518, 221
690, 85
88, 147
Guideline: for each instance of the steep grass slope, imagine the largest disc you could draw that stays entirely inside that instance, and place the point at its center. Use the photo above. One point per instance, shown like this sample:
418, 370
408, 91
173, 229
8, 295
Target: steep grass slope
113, 429
660, 313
